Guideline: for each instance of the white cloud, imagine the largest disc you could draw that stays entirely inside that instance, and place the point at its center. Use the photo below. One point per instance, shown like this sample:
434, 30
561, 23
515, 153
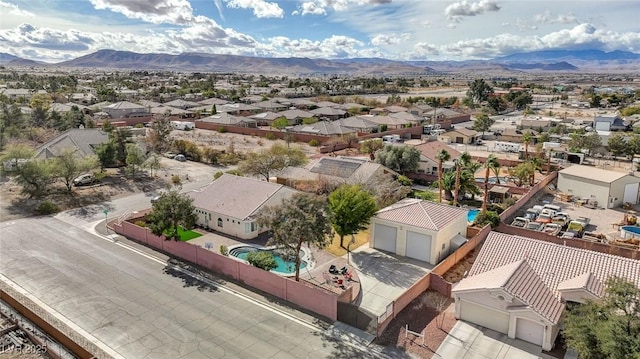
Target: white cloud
458, 10
320, 7
389, 39
547, 18
261, 8
156, 12
13, 9
336, 46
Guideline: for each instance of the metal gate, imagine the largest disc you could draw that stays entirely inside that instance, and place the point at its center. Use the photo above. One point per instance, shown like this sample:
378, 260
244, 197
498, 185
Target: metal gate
358, 318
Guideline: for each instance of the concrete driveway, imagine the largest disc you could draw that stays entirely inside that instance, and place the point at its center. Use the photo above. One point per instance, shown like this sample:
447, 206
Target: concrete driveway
470, 341
384, 277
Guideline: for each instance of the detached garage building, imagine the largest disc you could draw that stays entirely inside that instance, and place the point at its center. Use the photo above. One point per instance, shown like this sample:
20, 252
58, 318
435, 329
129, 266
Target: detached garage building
519, 286
610, 188
418, 229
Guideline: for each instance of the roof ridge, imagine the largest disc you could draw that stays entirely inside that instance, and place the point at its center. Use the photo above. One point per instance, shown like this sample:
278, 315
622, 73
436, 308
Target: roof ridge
422, 206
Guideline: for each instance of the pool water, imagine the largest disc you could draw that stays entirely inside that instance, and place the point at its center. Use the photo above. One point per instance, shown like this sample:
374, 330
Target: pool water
492, 180
472, 214
284, 267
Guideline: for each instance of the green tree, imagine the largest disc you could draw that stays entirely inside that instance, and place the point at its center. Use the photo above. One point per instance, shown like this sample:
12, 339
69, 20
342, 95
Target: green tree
370, 147
350, 209
490, 163
608, 327
595, 101
15, 152
152, 163
497, 104
68, 166
280, 123
442, 157
302, 218
158, 137
543, 137
618, 144
135, 158
633, 144
121, 137
34, 176
483, 123
171, 210
274, 159
401, 159
461, 162
467, 183
522, 100
527, 139
522, 172
106, 153
479, 91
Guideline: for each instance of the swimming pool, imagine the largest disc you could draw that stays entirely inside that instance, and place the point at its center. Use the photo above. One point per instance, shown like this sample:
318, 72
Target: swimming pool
284, 267
492, 180
627, 232
472, 214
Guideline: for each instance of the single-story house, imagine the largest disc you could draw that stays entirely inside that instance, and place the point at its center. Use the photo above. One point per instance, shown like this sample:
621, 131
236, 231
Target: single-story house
181, 104
609, 188
231, 203
429, 157
295, 116
124, 109
323, 128
511, 135
358, 123
331, 113
350, 170
81, 141
609, 123
225, 119
462, 135
522, 291
418, 229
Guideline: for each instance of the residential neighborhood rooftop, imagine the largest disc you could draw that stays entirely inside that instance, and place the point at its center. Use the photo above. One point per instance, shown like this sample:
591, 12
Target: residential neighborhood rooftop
593, 173
422, 214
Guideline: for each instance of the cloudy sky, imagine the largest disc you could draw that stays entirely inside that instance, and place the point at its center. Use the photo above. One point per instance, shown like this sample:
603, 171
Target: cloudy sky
56, 30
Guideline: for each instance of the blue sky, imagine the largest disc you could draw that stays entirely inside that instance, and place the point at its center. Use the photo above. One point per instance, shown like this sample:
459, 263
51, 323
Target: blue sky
56, 30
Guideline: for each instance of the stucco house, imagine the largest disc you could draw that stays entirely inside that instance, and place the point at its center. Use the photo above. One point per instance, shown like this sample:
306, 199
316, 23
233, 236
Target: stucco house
340, 170
609, 123
429, 157
82, 142
418, 229
124, 109
609, 188
462, 135
231, 203
519, 286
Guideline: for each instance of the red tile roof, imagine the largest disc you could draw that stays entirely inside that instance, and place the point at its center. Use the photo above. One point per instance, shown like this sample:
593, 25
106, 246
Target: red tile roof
422, 214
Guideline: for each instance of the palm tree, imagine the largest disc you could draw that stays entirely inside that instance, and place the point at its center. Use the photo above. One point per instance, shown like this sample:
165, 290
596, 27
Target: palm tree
496, 171
492, 162
527, 138
442, 156
462, 161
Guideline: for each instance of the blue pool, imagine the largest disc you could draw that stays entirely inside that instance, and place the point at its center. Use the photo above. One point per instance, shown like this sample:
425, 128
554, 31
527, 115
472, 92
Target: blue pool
284, 267
472, 214
492, 180
627, 232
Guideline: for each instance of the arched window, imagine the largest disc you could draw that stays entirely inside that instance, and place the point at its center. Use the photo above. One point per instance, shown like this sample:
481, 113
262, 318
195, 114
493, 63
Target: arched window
219, 222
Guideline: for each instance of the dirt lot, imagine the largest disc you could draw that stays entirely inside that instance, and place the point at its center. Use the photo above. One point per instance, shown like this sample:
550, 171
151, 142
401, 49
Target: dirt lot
116, 184
421, 319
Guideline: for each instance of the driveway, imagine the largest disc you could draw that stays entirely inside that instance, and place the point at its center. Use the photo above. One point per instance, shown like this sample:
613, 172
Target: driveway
468, 341
384, 277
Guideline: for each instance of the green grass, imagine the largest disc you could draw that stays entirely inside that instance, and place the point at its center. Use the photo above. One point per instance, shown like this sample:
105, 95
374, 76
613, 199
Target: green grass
184, 235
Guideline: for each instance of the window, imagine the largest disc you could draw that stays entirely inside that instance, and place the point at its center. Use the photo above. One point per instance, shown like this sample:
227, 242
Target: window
254, 226
220, 222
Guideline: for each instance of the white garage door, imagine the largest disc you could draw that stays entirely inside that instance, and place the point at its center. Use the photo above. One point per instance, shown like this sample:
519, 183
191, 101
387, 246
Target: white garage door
631, 193
529, 331
419, 246
485, 317
385, 238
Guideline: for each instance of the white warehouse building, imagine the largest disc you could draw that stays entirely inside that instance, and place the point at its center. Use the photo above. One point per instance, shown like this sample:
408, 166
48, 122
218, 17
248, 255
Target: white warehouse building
609, 188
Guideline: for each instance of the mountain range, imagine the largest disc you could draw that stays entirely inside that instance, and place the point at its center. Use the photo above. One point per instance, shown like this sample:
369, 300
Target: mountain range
536, 61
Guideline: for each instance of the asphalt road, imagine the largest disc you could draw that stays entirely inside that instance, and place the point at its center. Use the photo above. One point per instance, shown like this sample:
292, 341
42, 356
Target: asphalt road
141, 308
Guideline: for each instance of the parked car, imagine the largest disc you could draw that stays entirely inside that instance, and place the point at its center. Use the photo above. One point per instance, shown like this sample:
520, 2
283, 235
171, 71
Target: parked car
534, 226
180, 158
531, 214
84, 180
544, 218
520, 222
552, 229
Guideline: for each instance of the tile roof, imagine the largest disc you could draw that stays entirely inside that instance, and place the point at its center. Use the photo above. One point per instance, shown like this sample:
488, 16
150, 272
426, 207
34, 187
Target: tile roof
594, 173
236, 196
124, 105
554, 263
328, 111
464, 131
586, 281
430, 150
422, 214
82, 141
295, 114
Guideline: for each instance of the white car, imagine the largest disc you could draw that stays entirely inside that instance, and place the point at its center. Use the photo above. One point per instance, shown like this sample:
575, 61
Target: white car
84, 179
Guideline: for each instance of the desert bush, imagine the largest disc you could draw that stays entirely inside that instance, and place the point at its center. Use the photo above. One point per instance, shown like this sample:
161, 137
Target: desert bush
262, 259
485, 218
270, 136
140, 223
314, 143
222, 129
47, 207
224, 250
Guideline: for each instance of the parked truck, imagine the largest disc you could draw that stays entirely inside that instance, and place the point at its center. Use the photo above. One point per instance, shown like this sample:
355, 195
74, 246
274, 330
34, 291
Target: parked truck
578, 226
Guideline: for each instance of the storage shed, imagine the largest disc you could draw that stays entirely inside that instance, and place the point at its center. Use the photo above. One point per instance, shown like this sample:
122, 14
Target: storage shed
609, 188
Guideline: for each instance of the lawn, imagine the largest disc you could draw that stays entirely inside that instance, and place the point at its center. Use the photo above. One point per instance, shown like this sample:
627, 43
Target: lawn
184, 235
335, 249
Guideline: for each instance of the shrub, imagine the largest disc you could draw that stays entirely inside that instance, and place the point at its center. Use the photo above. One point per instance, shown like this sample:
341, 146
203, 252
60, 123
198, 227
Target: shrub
139, 125
175, 180
494, 208
217, 174
314, 143
508, 202
270, 136
262, 259
490, 217
224, 250
222, 129
47, 207
140, 223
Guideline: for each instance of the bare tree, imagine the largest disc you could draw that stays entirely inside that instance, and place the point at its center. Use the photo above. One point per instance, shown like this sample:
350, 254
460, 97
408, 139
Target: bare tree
435, 301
